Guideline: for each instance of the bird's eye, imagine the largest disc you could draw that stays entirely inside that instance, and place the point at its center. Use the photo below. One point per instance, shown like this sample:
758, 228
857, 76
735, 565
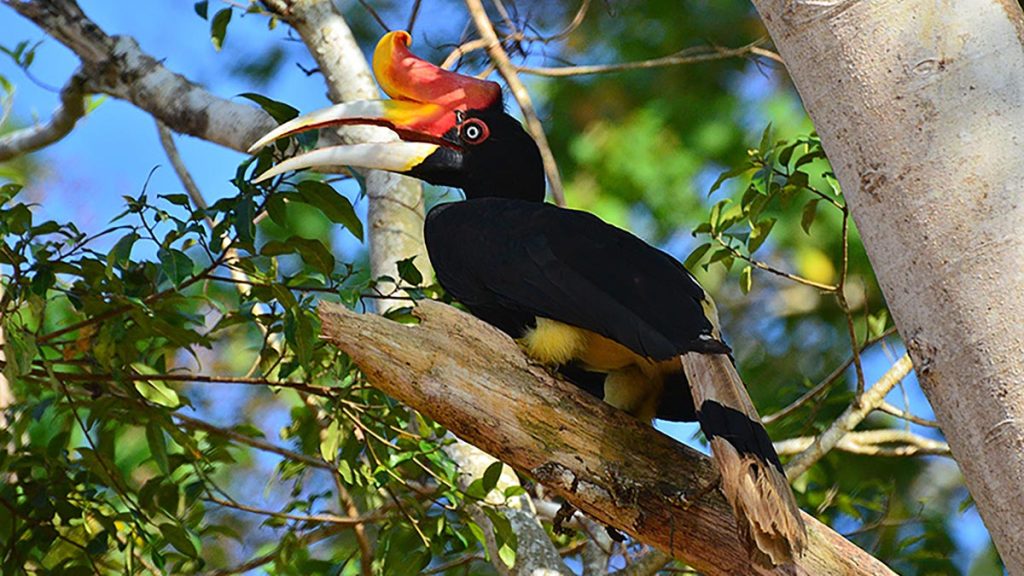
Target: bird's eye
474, 131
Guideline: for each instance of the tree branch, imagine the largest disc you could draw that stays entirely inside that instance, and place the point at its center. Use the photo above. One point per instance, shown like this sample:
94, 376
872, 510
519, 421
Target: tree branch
885, 442
850, 418
71, 109
475, 381
115, 65
396, 212
687, 56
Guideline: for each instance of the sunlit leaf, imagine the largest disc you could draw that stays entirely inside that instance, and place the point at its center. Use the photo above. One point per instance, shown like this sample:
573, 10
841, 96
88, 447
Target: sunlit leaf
336, 207
219, 27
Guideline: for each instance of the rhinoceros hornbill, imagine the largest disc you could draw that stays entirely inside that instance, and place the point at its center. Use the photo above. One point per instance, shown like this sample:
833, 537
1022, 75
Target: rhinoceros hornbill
578, 294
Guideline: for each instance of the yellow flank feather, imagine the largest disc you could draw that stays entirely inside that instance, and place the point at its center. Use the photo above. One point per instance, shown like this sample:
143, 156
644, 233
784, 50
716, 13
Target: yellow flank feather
552, 342
634, 392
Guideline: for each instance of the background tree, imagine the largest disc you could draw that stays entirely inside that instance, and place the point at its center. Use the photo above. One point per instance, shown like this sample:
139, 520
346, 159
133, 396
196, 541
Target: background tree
170, 407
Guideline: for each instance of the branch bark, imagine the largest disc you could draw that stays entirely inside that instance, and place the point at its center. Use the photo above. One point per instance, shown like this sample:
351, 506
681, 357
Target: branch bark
70, 111
919, 107
474, 380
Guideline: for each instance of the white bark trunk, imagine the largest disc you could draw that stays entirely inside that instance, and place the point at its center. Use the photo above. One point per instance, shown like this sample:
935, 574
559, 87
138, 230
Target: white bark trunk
920, 105
395, 219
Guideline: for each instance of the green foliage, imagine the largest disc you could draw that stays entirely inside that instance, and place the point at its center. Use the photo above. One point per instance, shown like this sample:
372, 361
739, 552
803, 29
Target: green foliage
103, 349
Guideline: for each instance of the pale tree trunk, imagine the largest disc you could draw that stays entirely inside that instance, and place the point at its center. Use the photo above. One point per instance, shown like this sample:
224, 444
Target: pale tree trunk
920, 106
395, 216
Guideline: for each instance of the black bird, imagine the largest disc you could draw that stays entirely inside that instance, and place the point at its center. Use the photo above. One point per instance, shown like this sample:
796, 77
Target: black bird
615, 315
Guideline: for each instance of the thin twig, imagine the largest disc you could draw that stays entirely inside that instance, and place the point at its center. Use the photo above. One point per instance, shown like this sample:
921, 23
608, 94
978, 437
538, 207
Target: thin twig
688, 56
905, 415
763, 266
825, 383
315, 518
190, 422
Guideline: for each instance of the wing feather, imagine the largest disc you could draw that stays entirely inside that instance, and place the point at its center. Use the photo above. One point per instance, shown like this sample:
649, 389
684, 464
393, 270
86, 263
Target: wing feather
567, 265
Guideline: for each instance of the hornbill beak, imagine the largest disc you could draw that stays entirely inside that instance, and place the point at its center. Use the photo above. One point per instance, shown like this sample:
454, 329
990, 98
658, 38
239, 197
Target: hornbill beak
426, 107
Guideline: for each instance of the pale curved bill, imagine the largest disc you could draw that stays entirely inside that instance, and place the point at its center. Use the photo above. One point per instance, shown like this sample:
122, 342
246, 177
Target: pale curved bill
390, 112
390, 156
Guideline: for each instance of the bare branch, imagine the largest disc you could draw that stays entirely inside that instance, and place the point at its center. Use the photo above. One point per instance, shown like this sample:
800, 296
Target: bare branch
688, 56
475, 381
904, 415
850, 418
67, 114
115, 65
886, 442
522, 96
396, 212
314, 518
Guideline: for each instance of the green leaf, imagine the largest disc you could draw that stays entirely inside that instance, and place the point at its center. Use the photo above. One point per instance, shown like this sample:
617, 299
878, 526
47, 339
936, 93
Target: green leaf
201, 8
727, 175
697, 254
759, 233
507, 555
787, 153
491, 476
156, 391
716, 213
8, 191
175, 264
766, 139
93, 102
278, 247
299, 334
177, 199
877, 322
157, 446
180, 539
219, 27
330, 441
278, 110
408, 272
315, 254
245, 221
336, 207
121, 253
810, 211
19, 351
746, 279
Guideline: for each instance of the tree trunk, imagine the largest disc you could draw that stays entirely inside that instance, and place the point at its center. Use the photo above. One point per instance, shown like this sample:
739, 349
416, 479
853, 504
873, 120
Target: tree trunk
920, 105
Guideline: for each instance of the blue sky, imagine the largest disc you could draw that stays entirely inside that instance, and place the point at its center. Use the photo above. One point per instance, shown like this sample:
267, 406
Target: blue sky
113, 150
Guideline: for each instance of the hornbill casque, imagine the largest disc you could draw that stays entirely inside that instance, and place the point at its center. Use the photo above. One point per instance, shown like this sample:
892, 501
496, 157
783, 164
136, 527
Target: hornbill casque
611, 313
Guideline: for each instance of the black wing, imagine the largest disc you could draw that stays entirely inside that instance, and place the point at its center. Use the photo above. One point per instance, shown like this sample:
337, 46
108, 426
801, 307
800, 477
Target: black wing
510, 261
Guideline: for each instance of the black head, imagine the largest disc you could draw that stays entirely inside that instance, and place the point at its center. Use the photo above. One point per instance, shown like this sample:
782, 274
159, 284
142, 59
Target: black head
490, 155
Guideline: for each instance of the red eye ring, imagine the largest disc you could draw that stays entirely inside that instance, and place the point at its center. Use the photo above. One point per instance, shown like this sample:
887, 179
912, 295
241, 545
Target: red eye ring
474, 131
